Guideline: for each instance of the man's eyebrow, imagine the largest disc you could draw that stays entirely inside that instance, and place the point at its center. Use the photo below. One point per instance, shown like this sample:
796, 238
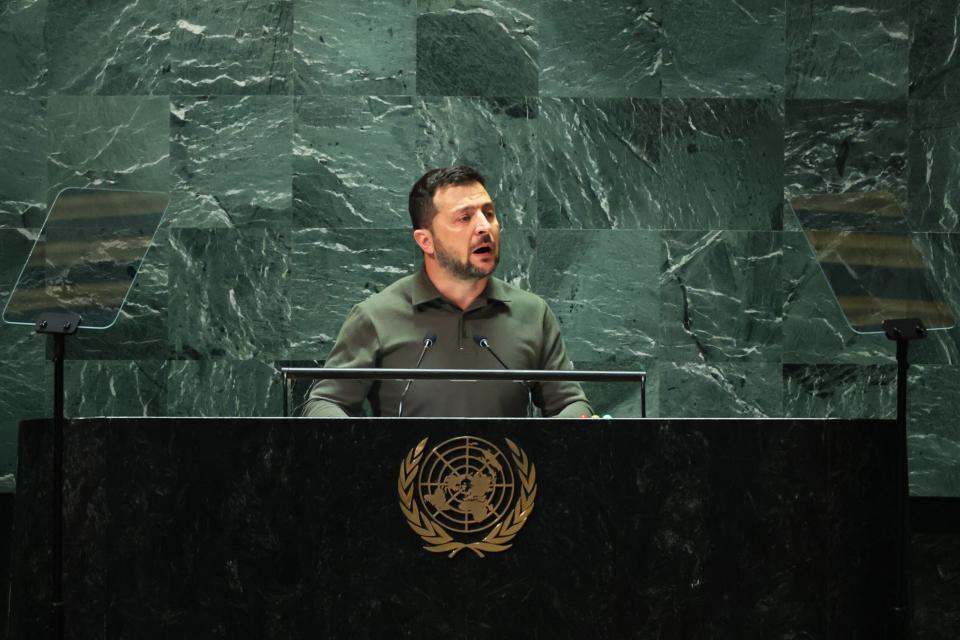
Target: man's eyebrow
485, 205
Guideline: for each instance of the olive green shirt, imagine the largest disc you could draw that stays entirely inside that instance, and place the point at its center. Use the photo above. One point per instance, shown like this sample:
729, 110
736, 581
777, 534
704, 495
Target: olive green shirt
388, 330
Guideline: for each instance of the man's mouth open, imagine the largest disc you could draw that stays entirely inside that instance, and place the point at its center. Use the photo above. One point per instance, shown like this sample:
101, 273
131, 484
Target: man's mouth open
484, 249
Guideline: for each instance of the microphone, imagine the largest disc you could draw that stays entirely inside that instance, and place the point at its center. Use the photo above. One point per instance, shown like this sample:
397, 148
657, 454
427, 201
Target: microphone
428, 341
483, 343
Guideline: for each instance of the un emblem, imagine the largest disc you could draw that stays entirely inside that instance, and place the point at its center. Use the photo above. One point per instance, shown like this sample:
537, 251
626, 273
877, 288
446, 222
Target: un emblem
466, 494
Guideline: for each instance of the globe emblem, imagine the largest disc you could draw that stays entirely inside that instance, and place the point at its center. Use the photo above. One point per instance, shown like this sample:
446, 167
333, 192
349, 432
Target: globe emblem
466, 484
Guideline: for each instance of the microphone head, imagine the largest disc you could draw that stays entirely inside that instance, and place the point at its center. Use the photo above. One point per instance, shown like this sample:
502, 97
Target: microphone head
481, 342
430, 339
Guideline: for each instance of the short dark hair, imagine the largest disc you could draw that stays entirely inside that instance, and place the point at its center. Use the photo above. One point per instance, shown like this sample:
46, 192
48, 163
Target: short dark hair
421, 195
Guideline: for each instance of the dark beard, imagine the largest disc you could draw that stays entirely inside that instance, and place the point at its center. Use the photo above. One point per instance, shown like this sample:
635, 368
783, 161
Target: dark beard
461, 270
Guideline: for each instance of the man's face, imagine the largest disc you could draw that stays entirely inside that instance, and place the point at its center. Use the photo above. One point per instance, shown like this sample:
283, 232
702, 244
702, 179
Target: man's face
466, 232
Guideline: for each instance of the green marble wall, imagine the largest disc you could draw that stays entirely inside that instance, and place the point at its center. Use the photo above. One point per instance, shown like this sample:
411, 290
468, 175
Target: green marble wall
641, 154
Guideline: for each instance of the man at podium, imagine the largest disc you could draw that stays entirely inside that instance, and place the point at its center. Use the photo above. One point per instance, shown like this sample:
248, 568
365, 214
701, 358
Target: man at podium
451, 314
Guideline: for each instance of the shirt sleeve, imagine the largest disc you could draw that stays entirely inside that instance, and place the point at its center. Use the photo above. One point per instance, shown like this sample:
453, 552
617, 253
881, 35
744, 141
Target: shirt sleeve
357, 346
558, 399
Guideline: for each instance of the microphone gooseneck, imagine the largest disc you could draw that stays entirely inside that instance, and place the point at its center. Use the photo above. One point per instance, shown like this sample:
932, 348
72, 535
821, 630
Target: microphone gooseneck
428, 341
483, 343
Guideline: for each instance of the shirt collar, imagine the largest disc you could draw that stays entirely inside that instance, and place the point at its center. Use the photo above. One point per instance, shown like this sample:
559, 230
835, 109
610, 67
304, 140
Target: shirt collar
424, 290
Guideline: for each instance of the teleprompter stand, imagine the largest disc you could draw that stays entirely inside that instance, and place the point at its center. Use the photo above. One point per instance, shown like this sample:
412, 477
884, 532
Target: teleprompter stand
58, 326
902, 331
82, 266
866, 250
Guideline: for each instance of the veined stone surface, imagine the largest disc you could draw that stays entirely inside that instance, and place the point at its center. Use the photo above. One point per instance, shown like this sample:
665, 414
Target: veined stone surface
934, 54
120, 48
229, 294
607, 48
353, 161
742, 136
119, 142
349, 48
934, 166
477, 48
230, 160
16, 341
599, 164
234, 47
723, 49
208, 388
24, 66
518, 255
719, 297
840, 147
850, 50
23, 179
729, 389
933, 433
941, 252
575, 270
116, 388
840, 391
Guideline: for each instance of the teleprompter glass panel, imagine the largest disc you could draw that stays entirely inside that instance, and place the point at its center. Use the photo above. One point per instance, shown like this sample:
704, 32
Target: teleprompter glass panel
864, 246
87, 255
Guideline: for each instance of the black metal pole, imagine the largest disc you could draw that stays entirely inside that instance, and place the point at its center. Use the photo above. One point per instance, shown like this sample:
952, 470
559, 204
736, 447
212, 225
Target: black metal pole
643, 397
58, 325
286, 393
902, 331
59, 349
903, 606
902, 365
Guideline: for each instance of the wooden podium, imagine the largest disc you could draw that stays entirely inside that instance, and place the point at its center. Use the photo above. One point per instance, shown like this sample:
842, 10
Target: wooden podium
302, 528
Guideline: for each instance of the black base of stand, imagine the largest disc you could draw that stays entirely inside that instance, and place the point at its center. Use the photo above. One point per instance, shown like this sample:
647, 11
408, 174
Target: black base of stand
58, 326
903, 331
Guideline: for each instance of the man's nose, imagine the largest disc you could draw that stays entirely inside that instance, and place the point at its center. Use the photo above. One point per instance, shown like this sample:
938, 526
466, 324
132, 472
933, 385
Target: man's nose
483, 224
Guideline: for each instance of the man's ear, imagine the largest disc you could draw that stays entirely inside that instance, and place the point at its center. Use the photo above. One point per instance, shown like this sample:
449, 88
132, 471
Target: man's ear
424, 240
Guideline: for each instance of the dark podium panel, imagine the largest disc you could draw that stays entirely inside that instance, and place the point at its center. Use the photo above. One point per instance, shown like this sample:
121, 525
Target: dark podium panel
272, 528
